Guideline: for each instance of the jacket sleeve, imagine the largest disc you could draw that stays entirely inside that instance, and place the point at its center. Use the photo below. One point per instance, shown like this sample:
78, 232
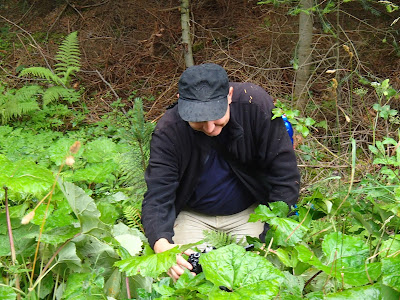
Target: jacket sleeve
162, 173
278, 161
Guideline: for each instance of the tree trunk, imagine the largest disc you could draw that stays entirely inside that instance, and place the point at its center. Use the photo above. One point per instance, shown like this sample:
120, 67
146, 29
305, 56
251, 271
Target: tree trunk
186, 40
304, 53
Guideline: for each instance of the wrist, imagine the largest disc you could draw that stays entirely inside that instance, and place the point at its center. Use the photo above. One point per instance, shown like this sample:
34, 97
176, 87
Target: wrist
162, 245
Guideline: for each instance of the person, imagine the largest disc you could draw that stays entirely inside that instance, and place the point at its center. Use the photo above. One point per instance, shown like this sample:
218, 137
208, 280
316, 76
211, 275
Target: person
214, 157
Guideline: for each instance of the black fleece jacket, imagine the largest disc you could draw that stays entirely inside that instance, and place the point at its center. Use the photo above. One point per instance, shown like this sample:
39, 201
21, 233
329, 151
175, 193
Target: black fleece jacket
258, 149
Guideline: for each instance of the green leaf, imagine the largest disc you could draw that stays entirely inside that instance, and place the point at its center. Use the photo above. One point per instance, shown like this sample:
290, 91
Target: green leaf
343, 269
25, 177
96, 172
101, 150
364, 292
264, 212
131, 243
390, 246
59, 150
149, 265
113, 284
7, 293
352, 250
292, 287
68, 256
96, 252
82, 205
59, 235
246, 274
391, 272
83, 286
46, 286
109, 212
287, 232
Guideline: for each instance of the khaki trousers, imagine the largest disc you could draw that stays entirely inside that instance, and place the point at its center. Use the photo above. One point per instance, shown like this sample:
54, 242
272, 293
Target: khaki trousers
189, 225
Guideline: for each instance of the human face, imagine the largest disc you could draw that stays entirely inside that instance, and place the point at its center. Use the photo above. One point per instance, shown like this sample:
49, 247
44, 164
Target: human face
211, 128
214, 127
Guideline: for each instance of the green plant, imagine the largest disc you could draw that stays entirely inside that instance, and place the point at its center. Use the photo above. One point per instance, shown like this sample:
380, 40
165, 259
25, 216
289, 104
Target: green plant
302, 125
60, 79
18, 102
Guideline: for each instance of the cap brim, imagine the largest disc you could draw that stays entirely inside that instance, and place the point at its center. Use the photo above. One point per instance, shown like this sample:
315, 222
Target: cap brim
200, 111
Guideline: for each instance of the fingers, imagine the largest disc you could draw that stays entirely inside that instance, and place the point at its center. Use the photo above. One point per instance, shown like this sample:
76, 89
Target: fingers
175, 272
181, 263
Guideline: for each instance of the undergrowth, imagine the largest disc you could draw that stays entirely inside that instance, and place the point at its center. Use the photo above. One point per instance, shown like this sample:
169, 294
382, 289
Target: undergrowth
71, 203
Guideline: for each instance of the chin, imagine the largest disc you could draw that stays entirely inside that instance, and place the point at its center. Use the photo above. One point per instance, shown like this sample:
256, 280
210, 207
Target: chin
214, 133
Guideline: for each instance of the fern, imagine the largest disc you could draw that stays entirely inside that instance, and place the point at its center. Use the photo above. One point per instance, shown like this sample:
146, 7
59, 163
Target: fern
138, 136
132, 215
15, 103
66, 67
42, 73
220, 239
68, 57
55, 92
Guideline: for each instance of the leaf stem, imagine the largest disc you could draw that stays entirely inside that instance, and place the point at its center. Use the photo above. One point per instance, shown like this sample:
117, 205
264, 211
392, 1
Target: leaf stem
43, 222
10, 237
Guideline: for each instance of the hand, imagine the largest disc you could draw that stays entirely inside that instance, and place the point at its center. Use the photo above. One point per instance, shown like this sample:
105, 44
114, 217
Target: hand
176, 271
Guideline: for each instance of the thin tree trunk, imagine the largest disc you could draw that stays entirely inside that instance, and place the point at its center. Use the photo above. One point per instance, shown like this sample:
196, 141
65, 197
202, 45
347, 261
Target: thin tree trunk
186, 40
304, 53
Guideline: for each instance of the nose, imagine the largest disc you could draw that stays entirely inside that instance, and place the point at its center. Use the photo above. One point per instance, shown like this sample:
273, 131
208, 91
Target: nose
208, 126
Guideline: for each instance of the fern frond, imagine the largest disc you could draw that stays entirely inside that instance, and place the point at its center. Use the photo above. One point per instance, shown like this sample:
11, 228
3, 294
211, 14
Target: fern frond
220, 239
15, 104
52, 94
56, 92
132, 215
42, 73
69, 54
67, 74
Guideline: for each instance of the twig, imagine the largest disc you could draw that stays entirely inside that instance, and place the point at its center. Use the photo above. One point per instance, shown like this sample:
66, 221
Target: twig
105, 81
322, 166
311, 279
34, 41
55, 21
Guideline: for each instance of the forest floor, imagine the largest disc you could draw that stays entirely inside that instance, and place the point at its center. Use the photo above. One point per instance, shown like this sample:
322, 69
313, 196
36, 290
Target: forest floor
133, 49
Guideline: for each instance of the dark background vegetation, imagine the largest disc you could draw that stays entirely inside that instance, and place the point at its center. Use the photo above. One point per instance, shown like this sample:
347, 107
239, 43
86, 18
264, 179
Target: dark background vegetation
135, 47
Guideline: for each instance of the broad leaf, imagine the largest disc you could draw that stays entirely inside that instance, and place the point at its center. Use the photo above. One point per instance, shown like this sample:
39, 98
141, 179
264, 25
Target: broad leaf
25, 177
246, 274
84, 286
364, 292
7, 293
83, 206
287, 232
97, 252
149, 265
391, 272
101, 150
352, 250
343, 269
59, 235
96, 172
68, 256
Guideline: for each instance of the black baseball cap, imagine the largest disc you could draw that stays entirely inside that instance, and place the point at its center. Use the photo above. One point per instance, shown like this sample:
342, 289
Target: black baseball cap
203, 91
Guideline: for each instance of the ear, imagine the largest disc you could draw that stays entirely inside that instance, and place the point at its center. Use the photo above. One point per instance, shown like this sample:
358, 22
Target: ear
177, 95
230, 94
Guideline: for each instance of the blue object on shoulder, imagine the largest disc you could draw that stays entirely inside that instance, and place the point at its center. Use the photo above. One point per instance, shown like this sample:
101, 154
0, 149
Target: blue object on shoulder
289, 127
